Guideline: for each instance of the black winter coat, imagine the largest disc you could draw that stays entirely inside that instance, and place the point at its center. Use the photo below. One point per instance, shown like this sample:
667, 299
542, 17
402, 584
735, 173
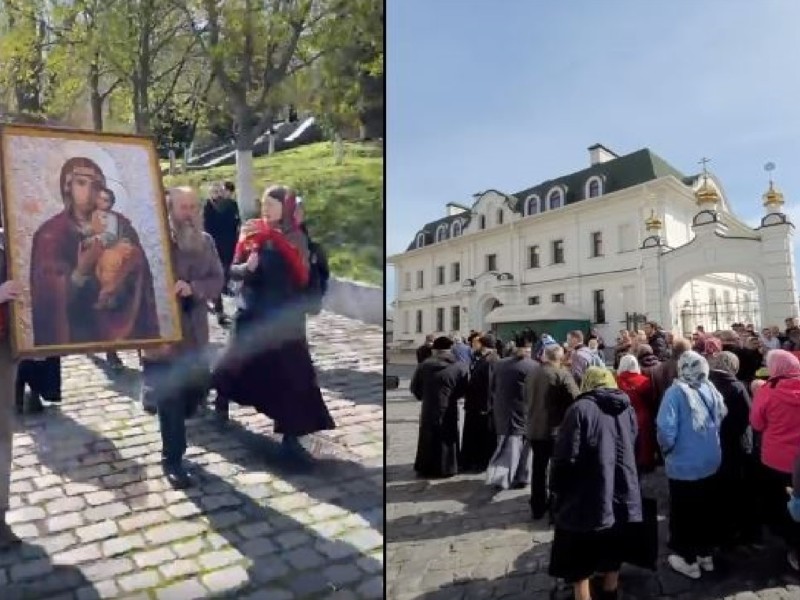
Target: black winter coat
736, 436
593, 471
509, 398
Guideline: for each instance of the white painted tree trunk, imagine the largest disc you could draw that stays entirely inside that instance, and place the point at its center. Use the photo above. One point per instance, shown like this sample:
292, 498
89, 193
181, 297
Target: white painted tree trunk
173, 164
271, 144
338, 148
245, 192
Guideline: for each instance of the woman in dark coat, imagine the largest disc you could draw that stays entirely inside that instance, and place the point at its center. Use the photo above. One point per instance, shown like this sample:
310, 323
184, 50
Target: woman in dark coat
594, 446
439, 383
478, 440
268, 364
737, 474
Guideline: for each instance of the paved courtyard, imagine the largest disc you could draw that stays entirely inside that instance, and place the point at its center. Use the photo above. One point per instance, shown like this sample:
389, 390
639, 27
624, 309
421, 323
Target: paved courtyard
457, 540
98, 521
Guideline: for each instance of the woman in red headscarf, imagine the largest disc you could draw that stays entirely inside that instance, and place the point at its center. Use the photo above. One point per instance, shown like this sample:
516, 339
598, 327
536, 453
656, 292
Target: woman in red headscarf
268, 364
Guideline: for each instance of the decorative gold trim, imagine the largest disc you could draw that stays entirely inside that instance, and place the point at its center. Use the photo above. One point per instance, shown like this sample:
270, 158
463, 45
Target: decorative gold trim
7, 206
653, 223
773, 197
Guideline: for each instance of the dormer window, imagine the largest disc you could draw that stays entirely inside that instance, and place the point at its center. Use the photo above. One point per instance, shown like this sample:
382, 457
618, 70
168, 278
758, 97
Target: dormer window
456, 231
594, 187
421, 239
532, 205
500, 216
555, 199
441, 233
482, 222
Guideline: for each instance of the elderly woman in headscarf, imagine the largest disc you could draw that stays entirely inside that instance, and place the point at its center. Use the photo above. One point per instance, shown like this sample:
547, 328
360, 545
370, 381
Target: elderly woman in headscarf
737, 475
688, 429
639, 389
594, 446
776, 414
268, 364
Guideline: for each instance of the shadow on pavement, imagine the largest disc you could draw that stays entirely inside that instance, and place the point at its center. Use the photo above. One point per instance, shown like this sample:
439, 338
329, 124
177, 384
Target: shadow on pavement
329, 478
80, 454
284, 552
125, 380
470, 492
360, 387
33, 576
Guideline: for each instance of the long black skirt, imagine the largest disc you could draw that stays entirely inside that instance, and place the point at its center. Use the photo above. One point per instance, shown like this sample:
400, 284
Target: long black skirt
270, 369
478, 442
43, 377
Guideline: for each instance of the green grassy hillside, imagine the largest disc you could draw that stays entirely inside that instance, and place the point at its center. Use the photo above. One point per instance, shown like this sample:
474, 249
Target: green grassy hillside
344, 203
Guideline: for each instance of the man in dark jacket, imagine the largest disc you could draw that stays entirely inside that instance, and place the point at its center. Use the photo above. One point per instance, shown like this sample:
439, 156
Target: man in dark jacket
439, 382
509, 410
657, 340
550, 390
425, 351
221, 221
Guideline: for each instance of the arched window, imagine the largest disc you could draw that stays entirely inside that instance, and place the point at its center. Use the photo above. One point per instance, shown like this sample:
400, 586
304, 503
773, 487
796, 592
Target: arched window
441, 233
532, 205
594, 187
456, 230
482, 222
555, 199
500, 216
421, 239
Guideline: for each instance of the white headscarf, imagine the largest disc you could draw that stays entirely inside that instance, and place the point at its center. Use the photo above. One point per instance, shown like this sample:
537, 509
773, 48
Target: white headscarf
705, 402
629, 364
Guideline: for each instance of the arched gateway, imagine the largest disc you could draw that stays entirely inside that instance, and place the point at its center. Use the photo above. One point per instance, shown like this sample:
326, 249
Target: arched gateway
722, 244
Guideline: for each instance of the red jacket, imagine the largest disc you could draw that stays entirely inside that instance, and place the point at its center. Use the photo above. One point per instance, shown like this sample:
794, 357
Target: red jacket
776, 414
264, 234
639, 389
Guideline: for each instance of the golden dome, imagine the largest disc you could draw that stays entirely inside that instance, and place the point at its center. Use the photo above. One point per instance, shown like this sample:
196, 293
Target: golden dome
773, 197
706, 193
653, 223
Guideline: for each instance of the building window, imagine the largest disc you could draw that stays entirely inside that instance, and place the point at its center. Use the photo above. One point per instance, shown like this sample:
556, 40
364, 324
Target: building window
599, 306
558, 252
455, 318
482, 222
440, 275
532, 205
500, 216
457, 228
491, 262
439, 319
594, 187
420, 279
533, 257
597, 244
557, 298
533, 301
455, 271
418, 328
407, 282
555, 199
441, 233
406, 322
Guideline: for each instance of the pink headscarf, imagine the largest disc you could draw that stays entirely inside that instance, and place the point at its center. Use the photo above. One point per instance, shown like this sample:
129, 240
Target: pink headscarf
781, 363
711, 346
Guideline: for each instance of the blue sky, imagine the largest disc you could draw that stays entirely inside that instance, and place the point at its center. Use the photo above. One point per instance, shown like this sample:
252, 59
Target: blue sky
505, 94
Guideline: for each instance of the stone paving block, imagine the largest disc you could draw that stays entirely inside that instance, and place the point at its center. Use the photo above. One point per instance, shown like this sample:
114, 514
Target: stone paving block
176, 569
107, 569
139, 581
226, 579
25, 515
303, 558
220, 558
183, 510
80, 554
185, 590
341, 575
122, 545
30, 569
189, 547
64, 522
144, 519
170, 532
153, 558
113, 510
97, 531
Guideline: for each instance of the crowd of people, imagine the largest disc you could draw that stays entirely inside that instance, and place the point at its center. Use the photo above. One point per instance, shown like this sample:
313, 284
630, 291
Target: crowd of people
277, 277
582, 424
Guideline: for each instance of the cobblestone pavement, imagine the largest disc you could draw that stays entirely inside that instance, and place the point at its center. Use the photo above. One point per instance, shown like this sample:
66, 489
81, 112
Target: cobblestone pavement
455, 539
98, 521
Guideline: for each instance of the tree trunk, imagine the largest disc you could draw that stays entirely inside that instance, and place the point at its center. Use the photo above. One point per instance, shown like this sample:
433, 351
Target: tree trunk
95, 98
271, 150
245, 190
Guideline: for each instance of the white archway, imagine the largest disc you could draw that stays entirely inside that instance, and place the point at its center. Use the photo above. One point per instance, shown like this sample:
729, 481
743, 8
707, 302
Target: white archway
764, 254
